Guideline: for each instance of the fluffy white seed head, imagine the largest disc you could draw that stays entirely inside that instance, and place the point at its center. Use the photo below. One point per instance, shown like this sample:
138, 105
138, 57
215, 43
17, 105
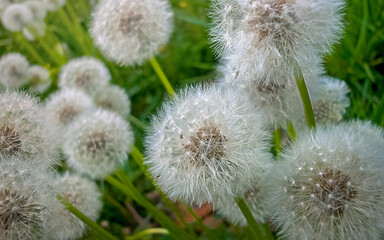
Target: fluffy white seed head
131, 31
86, 73
206, 143
282, 36
64, 106
113, 98
53, 5
16, 17
39, 78
255, 198
97, 143
329, 101
85, 196
13, 70
25, 201
23, 130
39, 11
331, 185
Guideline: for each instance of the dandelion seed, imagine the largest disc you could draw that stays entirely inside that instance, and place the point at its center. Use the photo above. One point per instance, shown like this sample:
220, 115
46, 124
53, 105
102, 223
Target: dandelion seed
39, 11
131, 31
39, 78
38, 27
13, 70
344, 198
86, 74
64, 106
16, 17
53, 5
85, 196
97, 143
206, 143
113, 98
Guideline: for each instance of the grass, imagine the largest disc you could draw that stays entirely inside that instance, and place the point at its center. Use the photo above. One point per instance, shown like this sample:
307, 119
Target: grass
188, 59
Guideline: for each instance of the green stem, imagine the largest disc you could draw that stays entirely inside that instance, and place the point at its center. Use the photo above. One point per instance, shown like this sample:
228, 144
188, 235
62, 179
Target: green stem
137, 122
277, 141
147, 232
163, 78
291, 130
128, 189
254, 227
100, 232
139, 159
309, 114
201, 223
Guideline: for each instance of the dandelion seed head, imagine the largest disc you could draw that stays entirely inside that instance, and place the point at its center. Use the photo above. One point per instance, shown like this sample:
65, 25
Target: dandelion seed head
16, 17
97, 143
39, 11
142, 27
202, 144
64, 106
340, 198
86, 74
53, 5
113, 98
38, 26
85, 196
13, 70
22, 128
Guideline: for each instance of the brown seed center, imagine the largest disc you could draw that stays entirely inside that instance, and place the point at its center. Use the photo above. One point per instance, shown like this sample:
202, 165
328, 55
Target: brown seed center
67, 114
131, 22
83, 79
9, 140
206, 145
96, 142
333, 191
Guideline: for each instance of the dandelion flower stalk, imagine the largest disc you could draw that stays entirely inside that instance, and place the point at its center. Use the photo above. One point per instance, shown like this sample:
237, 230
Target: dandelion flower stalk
101, 233
148, 232
254, 227
309, 114
163, 78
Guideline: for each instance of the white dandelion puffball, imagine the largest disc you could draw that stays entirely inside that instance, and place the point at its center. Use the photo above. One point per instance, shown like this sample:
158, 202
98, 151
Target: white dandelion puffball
85, 196
329, 102
64, 106
331, 185
131, 31
85, 73
205, 143
38, 10
23, 128
113, 98
98, 143
255, 198
283, 36
39, 78
13, 70
16, 17
25, 202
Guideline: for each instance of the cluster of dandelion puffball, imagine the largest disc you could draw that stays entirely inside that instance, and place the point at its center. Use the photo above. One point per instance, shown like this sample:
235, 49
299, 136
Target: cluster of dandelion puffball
27, 15
211, 142
16, 72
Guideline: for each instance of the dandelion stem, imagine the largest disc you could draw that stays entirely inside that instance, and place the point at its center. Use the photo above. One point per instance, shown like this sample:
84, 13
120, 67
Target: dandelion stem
99, 231
277, 141
27, 45
127, 188
291, 130
309, 114
137, 122
201, 223
139, 159
160, 73
147, 232
254, 227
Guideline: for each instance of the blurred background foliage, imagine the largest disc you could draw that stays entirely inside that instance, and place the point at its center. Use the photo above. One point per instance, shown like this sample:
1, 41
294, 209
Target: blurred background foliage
187, 59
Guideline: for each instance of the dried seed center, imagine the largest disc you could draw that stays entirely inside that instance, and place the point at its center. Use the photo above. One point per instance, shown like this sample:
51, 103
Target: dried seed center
9, 140
131, 22
105, 104
269, 21
333, 191
206, 145
67, 114
321, 110
83, 79
15, 210
96, 142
